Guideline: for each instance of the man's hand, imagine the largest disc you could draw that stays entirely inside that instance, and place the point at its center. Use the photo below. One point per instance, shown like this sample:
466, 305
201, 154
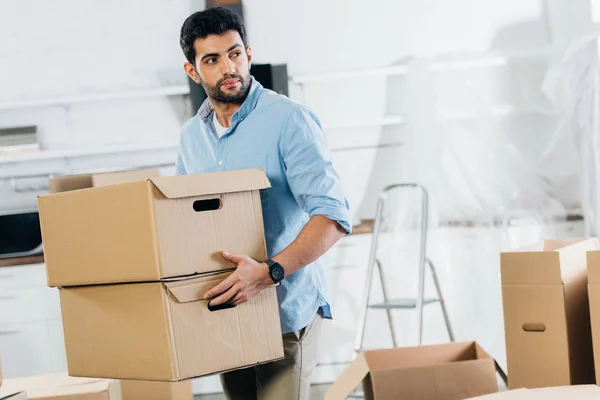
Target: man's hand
245, 283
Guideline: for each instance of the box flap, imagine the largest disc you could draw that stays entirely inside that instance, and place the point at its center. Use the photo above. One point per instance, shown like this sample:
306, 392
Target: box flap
4, 395
113, 178
349, 380
180, 186
68, 183
85, 181
593, 266
540, 264
53, 385
188, 290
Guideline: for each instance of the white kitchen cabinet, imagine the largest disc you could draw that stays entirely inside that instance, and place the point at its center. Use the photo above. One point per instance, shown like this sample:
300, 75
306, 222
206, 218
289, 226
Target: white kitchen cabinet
24, 349
31, 335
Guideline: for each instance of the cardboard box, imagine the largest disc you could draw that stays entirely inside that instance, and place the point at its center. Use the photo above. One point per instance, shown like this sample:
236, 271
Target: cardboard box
149, 390
63, 387
452, 371
163, 331
153, 229
75, 182
581, 392
12, 395
546, 314
593, 264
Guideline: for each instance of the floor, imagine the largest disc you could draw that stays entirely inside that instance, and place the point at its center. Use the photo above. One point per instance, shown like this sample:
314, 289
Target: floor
317, 392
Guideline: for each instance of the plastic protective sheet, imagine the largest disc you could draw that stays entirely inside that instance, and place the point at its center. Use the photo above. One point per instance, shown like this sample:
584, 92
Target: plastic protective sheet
487, 143
573, 83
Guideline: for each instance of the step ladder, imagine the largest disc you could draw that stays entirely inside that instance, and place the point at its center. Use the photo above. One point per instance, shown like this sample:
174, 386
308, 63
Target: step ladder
388, 303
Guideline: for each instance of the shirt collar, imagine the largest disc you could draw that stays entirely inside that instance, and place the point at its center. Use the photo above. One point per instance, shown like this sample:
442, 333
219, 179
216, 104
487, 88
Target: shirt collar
247, 106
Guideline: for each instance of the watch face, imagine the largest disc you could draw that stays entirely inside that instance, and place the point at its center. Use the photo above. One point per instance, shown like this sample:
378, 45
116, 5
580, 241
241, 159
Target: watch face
277, 272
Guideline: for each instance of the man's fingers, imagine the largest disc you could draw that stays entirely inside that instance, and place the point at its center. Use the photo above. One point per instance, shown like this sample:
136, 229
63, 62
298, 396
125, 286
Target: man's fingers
238, 299
236, 258
224, 297
221, 287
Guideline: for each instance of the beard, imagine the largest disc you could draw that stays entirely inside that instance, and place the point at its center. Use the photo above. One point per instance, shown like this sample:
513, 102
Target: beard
216, 94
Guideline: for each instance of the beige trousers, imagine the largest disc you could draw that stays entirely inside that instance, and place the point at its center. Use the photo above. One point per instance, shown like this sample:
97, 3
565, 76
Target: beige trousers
286, 379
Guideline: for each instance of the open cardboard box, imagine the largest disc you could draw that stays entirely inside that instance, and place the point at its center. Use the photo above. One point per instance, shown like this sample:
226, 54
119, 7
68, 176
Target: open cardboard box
546, 314
452, 371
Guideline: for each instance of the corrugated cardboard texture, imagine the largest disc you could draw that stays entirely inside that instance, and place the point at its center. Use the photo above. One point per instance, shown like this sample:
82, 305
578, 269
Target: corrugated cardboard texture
12, 395
546, 314
191, 242
149, 390
136, 231
63, 387
74, 182
100, 234
440, 372
580, 392
114, 331
142, 331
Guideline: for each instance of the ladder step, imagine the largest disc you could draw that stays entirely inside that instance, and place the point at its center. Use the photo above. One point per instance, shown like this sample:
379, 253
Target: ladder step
403, 303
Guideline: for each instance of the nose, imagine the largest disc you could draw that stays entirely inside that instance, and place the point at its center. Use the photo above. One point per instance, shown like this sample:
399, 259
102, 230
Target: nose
227, 66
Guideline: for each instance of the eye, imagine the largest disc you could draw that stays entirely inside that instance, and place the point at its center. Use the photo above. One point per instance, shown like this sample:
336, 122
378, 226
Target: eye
211, 60
237, 54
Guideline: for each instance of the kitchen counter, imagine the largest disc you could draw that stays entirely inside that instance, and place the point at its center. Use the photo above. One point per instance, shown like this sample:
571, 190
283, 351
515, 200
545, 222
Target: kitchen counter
11, 262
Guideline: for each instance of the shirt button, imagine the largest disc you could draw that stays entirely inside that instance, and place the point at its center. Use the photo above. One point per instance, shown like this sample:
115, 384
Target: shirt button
220, 162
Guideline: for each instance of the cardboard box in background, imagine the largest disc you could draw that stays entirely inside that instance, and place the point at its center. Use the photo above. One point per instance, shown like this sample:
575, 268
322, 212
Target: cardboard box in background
546, 314
75, 182
12, 395
163, 331
452, 371
148, 390
580, 392
593, 265
153, 229
64, 387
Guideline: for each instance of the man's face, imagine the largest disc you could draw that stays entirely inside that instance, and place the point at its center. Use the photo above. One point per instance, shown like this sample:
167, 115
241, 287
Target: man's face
222, 66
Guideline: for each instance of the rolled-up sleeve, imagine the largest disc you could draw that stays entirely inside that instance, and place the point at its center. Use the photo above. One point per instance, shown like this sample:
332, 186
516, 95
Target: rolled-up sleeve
313, 179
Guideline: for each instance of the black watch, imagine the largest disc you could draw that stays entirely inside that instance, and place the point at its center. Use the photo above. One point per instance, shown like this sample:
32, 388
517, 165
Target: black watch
275, 270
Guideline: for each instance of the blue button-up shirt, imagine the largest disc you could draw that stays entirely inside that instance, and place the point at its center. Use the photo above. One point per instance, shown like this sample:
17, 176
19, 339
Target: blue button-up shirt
272, 132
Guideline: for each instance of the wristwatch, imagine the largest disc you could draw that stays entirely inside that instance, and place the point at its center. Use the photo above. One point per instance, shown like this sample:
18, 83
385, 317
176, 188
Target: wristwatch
275, 270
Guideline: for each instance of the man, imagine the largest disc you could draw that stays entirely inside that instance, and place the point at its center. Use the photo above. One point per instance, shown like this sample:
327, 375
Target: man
242, 125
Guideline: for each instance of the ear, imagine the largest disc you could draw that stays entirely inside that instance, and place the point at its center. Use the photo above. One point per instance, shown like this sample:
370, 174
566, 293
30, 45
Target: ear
249, 54
191, 72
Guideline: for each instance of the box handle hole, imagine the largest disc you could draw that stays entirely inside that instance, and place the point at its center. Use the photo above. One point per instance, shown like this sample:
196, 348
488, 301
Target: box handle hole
207, 205
534, 327
223, 306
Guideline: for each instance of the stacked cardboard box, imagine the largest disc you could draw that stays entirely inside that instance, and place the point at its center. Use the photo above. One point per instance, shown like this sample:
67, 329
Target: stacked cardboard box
150, 390
546, 314
133, 261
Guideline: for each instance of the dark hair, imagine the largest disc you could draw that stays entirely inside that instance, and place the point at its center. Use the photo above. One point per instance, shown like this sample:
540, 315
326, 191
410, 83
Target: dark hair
212, 21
